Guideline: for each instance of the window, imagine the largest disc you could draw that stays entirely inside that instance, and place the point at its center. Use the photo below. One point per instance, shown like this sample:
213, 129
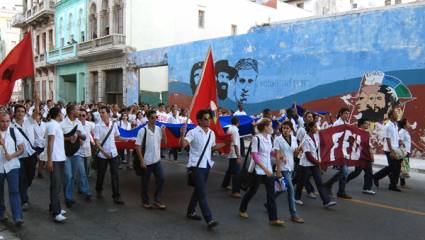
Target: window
83, 38
387, 2
70, 27
397, 1
37, 45
201, 19
354, 5
51, 39
300, 5
234, 29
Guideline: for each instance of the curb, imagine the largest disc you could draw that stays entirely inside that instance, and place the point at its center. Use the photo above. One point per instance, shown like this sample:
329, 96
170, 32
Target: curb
416, 170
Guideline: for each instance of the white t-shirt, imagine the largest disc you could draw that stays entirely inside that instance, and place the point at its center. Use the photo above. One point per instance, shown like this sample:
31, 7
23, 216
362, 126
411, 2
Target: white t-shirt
287, 150
100, 132
139, 122
301, 134
183, 119
338, 122
152, 146
85, 149
234, 131
28, 128
239, 113
309, 146
266, 147
174, 120
162, 116
53, 128
5, 165
125, 126
67, 126
131, 117
39, 132
197, 139
391, 132
406, 139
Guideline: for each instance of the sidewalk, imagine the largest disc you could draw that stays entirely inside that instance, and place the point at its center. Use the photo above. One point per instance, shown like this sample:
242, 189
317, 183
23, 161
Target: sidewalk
416, 165
6, 234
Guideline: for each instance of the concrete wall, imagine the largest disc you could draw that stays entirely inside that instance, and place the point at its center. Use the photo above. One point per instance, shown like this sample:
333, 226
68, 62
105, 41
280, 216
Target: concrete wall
318, 63
77, 71
70, 19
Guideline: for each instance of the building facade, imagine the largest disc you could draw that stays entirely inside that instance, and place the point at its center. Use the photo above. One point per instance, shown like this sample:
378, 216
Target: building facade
38, 17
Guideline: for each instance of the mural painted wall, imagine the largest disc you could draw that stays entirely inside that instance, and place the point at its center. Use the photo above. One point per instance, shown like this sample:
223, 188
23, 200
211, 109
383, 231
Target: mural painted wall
370, 61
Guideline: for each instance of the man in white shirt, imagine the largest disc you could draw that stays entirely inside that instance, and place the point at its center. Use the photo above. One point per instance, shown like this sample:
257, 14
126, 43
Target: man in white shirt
174, 119
85, 151
28, 160
391, 145
74, 134
342, 175
11, 147
161, 113
107, 154
240, 111
149, 138
235, 161
199, 138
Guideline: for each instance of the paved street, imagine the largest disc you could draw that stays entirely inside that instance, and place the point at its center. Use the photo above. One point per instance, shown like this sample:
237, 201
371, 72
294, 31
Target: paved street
387, 215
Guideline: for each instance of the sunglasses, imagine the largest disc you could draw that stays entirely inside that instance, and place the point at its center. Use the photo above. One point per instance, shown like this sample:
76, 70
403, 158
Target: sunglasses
154, 117
82, 115
206, 119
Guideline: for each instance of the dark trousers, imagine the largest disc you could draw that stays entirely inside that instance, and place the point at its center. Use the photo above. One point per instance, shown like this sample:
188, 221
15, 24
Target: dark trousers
113, 167
157, 171
368, 176
57, 181
242, 143
174, 152
340, 177
306, 172
271, 202
199, 194
296, 176
232, 173
26, 175
392, 170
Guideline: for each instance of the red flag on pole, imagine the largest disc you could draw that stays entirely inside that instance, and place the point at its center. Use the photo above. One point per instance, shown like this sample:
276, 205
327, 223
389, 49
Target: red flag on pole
18, 64
205, 97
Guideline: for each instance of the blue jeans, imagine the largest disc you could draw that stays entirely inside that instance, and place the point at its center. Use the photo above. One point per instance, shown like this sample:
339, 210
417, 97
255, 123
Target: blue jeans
291, 193
73, 165
232, 173
199, 194
341, 177
157, 171
14, 198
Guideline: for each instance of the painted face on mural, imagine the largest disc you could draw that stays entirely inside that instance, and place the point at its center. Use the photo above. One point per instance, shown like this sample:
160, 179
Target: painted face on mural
375, 102
246, 79
224, 74
195, 75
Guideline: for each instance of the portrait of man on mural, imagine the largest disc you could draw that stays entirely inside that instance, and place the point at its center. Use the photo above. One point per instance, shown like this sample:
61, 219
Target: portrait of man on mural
375, 101
245, 80
224, 74
195, 75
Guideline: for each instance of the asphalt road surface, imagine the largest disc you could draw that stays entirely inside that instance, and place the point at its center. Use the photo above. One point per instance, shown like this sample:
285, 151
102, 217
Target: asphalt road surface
388, 215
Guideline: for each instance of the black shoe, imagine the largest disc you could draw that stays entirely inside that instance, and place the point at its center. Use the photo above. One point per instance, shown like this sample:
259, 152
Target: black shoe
194, 216
395, 189
376, 182
40, 175
87, 198
344, 196
118, 201
212, 224
19, 222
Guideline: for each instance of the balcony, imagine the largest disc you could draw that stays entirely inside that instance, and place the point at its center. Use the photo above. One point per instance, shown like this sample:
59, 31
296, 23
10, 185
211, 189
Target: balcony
18, 20
110, 44
65, 54
40, 60
40, 11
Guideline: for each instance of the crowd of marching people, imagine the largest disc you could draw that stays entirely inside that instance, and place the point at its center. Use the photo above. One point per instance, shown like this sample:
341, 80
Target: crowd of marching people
71, 141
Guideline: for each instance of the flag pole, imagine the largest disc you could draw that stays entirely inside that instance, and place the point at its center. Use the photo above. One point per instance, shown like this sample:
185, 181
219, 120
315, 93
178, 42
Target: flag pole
199, 84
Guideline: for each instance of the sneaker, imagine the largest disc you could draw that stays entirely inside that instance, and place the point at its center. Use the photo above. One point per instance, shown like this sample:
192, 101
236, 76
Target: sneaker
297, 219
311, 195
235, 195
344, 196
63, 212
369, 192
193, 216
25, 207
160, 205
60, 218
19, 222
212, 224
147, 206
299, 202
277, 223
330, 204
243, 215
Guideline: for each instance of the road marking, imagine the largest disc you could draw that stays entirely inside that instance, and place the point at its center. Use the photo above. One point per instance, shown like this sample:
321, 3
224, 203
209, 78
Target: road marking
358, 201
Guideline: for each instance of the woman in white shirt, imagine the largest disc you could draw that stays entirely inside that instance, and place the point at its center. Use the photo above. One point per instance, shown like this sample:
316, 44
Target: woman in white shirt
286, 148
261, 149
309, 166
125, 153
140, 120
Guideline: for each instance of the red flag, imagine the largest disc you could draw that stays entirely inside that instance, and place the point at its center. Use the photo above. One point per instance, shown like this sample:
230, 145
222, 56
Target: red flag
206, 98
18, 64
344, 144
